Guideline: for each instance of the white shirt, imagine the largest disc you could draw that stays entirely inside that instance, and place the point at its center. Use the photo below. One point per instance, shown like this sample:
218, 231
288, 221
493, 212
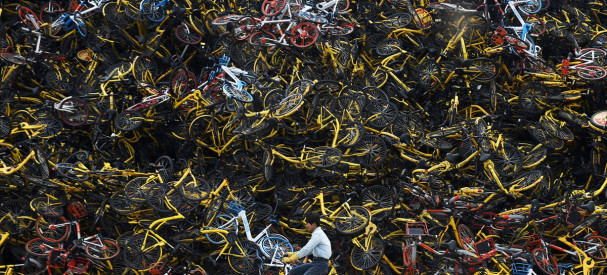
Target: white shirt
319, 245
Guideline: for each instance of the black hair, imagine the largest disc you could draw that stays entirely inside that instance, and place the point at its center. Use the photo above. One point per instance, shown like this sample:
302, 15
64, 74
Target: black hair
313, 217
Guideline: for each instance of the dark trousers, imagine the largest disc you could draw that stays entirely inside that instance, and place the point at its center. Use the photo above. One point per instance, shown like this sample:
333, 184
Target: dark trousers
313, 268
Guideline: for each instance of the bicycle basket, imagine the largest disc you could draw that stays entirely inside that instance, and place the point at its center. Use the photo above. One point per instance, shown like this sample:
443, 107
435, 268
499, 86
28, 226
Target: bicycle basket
485, 248
574, 217
416, 229
520, 268
224, 60
77, 210
79, 265
533, 241
235, 208
498, 36
158, 268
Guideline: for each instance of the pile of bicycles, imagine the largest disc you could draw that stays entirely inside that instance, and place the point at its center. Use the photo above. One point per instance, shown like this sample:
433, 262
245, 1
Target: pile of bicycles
193, 136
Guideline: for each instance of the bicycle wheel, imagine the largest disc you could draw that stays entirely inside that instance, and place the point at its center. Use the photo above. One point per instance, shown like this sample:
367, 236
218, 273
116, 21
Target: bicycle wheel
16, 215
145, 69
369, 256
39, 248
141, 251
350, 134
428, 74
47, 207
105, 250
272, 7
380, 113
236, 93
70, 171
544, 263
482, 69
121, 204
370, 150
585, 224
212, 210
244, 28
52, 229
342, 28
599, 119
353, 221
80, 24
377, 197
52, 128
304, 35
324, 157
466, 237
262, 38
153, 10
397, 21
508, 161
187, 34
590, 72
275, 247
14, 59
532, 6
243, 262
129, 121
388, 46
596, 247
535, 157
29, 18
289, 105
73, 111
136, 189
195, 189
50, 12
537, 25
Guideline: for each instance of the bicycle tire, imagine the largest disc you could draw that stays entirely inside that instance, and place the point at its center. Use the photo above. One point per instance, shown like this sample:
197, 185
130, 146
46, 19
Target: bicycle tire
135, 190
47, 230
243, 264
465, 238
397, 21
304, 35
371, 150
324, 157
13, 58
599, 250
351, 222
144, 69
288, 105
590, 72
52, 129
141, 251
239, 94
599, 119
121, 204
186, 34
67, 170
556, 130
153, 10
129, 121
487, 67
50, 12
77, 112
244, 28
388, 46
272, 7
107, 250
543, 262
428, 74
195, 189
538, 27
80, 24
535, 157
380, 197
509, 163
157, 197
380, 113
275, 243
350, 134
364, 259
27, 16
16, 215
341, 29
39, 248
213, 208
532, 6
584, 224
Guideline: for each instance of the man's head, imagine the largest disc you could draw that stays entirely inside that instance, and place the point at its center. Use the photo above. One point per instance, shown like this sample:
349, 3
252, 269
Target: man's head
312, 221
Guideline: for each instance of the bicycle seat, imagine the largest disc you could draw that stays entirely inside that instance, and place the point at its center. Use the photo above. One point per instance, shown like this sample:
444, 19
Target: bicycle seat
452, 157
588, 207
485, 156
451, 245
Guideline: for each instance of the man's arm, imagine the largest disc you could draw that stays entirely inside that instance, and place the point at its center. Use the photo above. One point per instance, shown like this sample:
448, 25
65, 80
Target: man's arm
307, 249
